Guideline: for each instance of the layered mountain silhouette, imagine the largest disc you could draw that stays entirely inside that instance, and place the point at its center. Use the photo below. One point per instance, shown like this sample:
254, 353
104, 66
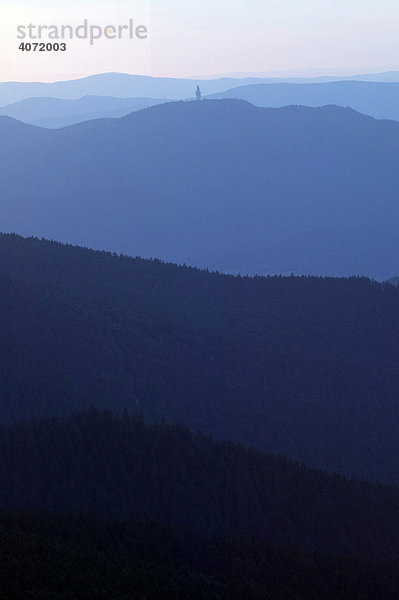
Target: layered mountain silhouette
306, 76
120, 85
131, 86
380, 100
218, 184
304, 367
55, 112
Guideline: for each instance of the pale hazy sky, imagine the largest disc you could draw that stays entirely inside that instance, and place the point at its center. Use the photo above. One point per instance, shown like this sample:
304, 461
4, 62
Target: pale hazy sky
200, 37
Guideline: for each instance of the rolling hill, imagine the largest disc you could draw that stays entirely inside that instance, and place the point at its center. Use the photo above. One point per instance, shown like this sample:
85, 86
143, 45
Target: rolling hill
304, 367
55, 112
379, 100
123, 469
125, 85
218, 184
120, 85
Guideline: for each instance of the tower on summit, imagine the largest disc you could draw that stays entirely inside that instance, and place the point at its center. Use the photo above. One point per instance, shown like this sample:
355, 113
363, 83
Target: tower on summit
198, 93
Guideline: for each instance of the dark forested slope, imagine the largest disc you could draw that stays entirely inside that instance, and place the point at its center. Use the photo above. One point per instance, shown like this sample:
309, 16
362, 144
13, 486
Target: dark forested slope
48, 557
122, 468
304, 367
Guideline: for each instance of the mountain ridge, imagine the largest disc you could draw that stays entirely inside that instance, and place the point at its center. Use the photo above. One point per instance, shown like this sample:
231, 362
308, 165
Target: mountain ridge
144, 85
305, 367
195, 188
56, 112
115, 84
379, 100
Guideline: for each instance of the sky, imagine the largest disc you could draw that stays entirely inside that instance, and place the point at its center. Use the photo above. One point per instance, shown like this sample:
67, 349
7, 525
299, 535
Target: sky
202, 37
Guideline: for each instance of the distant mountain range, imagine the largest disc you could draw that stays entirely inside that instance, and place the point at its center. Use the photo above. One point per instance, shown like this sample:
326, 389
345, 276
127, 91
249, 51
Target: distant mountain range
119, 85
122, 85
314, 76
380, 100
218, 184
55, 112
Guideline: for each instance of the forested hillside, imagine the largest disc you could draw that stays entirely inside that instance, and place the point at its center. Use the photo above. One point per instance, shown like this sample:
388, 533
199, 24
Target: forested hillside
305, 367
78, 557
124, 469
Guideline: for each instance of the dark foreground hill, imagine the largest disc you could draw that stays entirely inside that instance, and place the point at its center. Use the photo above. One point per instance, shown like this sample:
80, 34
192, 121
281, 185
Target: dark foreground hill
218, 184
51, 557
124, 469
304, 367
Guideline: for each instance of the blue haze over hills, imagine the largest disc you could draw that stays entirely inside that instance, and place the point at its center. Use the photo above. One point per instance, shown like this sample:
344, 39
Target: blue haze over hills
57, 112
380, 100
218, 184
122, 85
119, 85
303, 367
114, 95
